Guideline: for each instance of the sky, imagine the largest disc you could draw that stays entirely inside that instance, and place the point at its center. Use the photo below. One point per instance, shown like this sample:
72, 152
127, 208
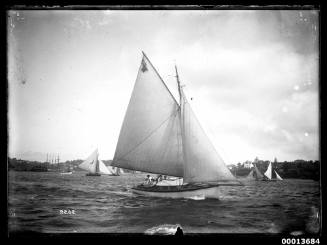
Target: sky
253, 76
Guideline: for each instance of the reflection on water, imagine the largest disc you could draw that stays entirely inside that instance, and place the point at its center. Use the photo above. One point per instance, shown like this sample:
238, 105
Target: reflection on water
106, 204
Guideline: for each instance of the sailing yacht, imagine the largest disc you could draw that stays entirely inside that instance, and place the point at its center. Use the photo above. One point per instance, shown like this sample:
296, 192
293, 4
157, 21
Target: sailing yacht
162, 136
120, 171
255, 174
115, 171
95, 167
67, 171
271, 175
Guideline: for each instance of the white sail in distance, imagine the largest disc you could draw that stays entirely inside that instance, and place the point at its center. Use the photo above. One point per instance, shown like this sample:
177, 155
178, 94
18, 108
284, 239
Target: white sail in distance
103, 168
257, 171
268, 172
277, 175
149, 139
90, 164
250, 175
112, 170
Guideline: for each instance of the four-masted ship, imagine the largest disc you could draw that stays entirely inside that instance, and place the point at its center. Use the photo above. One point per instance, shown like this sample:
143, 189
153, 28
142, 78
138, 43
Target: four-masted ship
162, 136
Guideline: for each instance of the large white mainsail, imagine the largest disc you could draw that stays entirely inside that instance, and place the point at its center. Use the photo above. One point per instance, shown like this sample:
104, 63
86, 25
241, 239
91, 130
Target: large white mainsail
160, 136
90, 164
149, 139
268, 172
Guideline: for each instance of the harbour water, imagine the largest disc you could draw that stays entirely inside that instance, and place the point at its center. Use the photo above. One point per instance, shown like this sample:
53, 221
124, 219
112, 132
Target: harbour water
38, 202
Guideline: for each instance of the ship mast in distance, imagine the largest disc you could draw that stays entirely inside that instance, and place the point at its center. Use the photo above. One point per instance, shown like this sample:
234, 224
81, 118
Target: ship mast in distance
58, 161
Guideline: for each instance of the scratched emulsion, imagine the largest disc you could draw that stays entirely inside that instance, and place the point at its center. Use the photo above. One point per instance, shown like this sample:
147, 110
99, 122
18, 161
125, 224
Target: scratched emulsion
106, 204
16, 67
48, 51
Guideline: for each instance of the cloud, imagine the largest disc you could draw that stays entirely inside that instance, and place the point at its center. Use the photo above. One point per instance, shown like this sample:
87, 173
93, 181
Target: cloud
253, 77
252, 95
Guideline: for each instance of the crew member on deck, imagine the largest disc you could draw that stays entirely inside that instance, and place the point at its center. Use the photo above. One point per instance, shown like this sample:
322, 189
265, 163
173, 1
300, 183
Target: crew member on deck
159, 178
148, 180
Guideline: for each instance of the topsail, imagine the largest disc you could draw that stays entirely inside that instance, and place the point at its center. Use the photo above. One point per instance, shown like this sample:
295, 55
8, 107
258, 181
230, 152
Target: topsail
161, 136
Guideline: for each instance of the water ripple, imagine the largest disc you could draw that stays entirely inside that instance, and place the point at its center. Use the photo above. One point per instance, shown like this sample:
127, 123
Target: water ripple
106, 204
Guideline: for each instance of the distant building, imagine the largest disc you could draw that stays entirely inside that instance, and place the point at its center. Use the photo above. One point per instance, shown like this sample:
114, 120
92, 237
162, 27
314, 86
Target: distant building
247, 164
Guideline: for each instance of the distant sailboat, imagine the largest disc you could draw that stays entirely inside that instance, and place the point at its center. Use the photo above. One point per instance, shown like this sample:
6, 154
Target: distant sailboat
115, 171
161, 136
255, 174
66, 171
94, 166
271, 174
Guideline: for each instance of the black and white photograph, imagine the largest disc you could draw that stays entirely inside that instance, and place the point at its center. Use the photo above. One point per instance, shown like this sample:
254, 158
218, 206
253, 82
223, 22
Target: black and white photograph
164, 121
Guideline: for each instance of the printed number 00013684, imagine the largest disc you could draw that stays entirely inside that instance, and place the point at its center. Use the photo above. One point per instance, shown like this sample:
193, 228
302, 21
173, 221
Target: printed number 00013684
300, 241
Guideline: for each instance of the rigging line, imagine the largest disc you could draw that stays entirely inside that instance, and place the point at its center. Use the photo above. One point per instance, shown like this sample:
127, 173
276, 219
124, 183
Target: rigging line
173, 114
166, 137
161, 79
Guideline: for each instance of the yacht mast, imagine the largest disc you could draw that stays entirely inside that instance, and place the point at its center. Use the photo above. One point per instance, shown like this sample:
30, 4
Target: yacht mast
179, 87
